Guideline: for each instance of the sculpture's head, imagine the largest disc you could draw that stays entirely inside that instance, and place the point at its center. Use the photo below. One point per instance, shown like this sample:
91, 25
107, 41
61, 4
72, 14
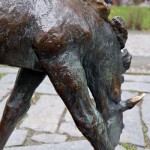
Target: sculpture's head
115, 122
113, 63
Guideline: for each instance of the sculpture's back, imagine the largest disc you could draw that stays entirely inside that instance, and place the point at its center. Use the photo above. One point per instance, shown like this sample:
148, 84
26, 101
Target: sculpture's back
29, 25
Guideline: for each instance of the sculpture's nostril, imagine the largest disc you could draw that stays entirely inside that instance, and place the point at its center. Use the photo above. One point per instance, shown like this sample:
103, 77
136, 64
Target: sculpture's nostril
115, 95
122, 79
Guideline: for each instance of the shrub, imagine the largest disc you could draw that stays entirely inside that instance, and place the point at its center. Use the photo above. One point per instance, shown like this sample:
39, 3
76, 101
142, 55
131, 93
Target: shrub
135, 19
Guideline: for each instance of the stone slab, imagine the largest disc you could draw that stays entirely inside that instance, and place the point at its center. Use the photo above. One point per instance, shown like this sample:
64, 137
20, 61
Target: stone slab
136, 86
68, 118
6, 84
6, 87
17, 138
49, 138
76, 145
146, 112
69, 126
2, 106
46, 80
119, 147
3, 93
9, 78
138, 43
46, 89
132, 133
127, 95
45, 114
6, 69
143, 149
70, 129
140, 65
137, 78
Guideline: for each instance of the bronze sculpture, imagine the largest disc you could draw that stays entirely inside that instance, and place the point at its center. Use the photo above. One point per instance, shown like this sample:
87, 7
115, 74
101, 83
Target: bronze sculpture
74, 43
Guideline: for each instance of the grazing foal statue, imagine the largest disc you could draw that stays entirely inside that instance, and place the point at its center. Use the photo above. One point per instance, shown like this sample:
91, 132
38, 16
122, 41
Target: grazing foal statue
74, 43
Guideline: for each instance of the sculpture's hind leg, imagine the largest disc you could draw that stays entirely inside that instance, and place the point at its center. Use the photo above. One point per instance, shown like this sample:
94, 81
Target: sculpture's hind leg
18, 102
68, 78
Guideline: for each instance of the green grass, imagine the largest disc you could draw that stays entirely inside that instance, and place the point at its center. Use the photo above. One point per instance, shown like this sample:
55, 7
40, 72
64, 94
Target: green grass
128, 146
134, 16
2, 74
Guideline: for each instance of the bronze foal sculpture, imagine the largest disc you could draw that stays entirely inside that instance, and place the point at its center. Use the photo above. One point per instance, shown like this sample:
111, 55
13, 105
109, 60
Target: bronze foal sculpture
74, 43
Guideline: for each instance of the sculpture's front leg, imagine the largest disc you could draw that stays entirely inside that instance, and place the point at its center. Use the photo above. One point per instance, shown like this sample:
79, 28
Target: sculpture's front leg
68, 78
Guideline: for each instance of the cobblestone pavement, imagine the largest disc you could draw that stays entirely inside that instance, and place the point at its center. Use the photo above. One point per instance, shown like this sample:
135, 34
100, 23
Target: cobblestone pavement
46, 128
49, 126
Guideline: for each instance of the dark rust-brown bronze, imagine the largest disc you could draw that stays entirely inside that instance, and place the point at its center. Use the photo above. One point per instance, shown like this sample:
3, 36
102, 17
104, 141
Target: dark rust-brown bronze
74, 43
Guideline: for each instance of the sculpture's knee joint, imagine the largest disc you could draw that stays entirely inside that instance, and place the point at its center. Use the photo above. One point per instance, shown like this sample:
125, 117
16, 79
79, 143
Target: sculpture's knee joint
88, 124
17, 108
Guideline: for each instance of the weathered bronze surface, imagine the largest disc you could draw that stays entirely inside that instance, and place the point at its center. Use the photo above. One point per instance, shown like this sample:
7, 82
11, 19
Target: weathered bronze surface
74, 43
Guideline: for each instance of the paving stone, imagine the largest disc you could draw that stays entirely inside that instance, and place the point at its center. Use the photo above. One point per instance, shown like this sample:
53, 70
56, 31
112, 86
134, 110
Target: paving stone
6, 84
127, 95
46, 80
141, 70
2, 105
132, 133
9, 78
49, 138
69, 126
6, 69
76, 145
142, 149
70, 129
46, 89
17, 138
146, 112
6, 87
3, 93
136, 86
68, 118
137, 78
46, 86
135, 46
119, 147
45, 114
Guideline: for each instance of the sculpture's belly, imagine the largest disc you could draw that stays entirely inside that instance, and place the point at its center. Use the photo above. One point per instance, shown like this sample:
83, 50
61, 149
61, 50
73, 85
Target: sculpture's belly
24, 58
16, 42
17, 28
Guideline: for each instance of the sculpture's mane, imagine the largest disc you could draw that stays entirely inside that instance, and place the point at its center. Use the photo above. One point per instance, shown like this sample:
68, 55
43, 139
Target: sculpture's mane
102, 7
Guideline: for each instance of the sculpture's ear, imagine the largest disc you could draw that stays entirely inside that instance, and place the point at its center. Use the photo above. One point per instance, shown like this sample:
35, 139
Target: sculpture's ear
103, 8
120, 29
130, 103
